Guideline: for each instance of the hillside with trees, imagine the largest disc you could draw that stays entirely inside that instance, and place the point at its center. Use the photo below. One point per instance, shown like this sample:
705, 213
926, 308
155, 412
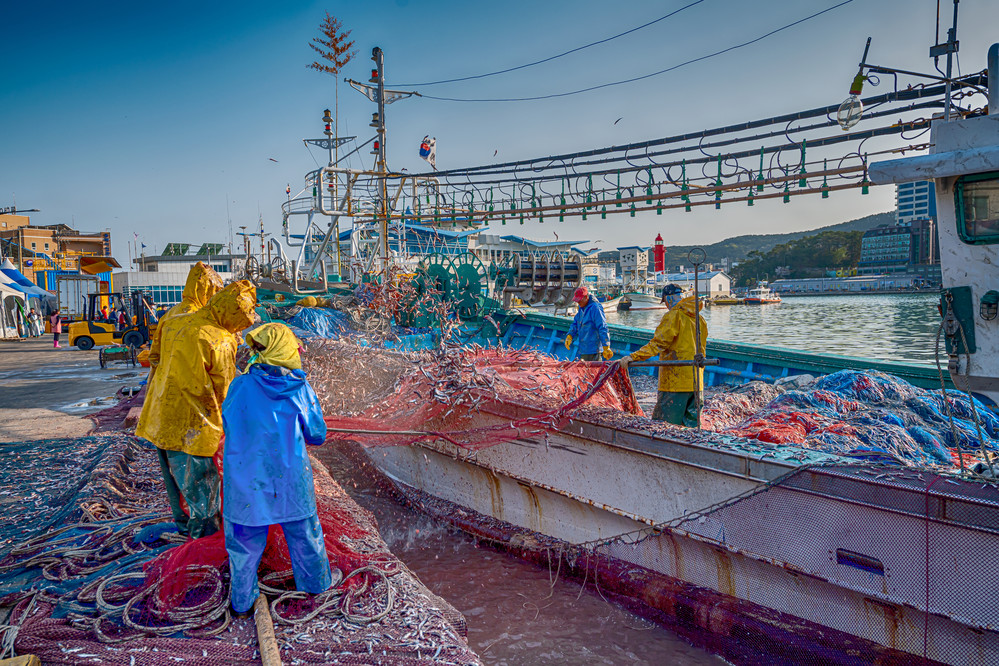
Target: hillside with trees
806, 257
739, 248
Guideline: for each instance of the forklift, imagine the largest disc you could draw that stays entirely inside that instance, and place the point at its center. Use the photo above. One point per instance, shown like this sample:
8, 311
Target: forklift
92, 330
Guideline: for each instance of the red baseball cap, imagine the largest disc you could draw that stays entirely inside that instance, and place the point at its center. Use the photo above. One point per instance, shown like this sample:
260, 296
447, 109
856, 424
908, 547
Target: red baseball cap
581, 295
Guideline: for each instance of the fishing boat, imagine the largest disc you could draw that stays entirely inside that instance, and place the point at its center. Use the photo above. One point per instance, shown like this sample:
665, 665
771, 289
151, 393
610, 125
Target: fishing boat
785, 555
761, 295
724, 300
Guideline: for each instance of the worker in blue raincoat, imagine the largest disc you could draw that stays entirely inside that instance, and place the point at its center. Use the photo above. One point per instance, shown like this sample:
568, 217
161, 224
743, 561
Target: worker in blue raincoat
590, 327
270, 414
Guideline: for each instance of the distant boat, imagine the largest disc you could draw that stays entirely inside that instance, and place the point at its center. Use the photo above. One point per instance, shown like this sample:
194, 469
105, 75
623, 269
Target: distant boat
762, 295
725, 300
635, 301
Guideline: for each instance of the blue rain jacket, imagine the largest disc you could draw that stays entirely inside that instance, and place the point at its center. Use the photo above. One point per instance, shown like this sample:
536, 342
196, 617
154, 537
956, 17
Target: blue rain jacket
269, 415
589, 327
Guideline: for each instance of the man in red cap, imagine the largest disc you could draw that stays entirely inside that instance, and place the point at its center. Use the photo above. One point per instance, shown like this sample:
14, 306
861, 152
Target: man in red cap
590, 326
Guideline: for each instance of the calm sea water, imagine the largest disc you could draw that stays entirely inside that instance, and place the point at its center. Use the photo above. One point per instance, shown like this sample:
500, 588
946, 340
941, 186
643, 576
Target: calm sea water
890, 327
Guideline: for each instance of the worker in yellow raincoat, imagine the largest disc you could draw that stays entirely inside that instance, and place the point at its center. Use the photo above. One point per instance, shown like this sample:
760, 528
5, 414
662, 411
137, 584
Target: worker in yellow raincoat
202, 283
182, 412
674, 340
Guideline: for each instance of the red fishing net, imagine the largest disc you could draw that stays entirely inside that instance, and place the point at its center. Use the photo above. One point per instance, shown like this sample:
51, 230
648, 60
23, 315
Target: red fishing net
443, 396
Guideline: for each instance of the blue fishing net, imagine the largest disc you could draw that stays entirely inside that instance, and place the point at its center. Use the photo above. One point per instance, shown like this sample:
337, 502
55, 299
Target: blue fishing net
78, 510
320, 322
876, 416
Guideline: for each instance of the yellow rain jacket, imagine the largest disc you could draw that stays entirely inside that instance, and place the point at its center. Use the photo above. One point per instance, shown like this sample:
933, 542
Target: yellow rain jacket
674, 341
280, 346
182, 410
202, 283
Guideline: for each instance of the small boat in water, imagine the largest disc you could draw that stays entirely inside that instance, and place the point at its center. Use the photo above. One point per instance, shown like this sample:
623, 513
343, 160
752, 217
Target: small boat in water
761, 295
725, 300
635, 301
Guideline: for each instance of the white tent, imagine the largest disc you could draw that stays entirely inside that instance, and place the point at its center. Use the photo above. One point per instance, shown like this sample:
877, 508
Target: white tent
34, 295
12, 309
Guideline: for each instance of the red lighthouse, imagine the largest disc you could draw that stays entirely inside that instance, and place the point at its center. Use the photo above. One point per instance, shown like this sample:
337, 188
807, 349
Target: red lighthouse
660, 254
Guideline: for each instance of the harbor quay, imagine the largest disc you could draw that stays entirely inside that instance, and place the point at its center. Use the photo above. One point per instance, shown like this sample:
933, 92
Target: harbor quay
83, 501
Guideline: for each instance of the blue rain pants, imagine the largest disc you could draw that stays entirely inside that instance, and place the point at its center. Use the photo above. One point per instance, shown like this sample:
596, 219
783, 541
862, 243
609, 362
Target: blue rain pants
196, 479
245, 545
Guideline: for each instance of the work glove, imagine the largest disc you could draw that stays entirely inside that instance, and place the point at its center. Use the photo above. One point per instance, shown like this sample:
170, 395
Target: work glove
608, 352
568, 341
624, 362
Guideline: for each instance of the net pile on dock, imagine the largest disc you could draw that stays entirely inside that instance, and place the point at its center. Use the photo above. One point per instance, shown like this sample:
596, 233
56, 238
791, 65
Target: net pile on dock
440, 393
861, 414
101, 578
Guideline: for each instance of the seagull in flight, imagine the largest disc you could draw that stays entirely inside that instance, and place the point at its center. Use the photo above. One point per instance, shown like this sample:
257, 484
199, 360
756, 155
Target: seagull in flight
272, 159
618, 120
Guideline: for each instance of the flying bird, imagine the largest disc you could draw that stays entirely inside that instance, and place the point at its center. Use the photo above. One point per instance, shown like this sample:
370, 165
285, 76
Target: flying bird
618, 120
272, 159
496, 152
556, 235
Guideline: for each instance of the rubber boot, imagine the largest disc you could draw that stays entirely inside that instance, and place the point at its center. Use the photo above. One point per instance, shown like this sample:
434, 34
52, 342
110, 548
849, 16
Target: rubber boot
55, 344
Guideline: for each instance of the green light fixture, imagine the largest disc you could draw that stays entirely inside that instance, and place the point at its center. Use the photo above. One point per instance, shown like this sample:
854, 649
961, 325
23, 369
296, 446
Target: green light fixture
648, 189
718, 184
618, 204
759, 178
802, 180
603, 213
825, 182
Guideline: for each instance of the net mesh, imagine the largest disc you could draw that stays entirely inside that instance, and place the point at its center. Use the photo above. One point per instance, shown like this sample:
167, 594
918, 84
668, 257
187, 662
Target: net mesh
105, 578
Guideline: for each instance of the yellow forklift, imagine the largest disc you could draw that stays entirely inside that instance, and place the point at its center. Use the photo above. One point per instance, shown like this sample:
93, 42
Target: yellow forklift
93, 330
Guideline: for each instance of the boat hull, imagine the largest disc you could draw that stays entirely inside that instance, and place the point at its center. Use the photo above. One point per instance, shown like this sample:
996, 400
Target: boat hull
804, 553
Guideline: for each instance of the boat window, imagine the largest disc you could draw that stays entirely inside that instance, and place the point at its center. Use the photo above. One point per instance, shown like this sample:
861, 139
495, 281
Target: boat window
977, 201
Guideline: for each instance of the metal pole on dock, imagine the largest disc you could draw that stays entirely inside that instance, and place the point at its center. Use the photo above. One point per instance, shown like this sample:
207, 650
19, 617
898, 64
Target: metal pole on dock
379, 57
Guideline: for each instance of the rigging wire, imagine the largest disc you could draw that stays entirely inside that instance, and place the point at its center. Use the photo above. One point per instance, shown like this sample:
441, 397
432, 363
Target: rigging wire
554, 57
644, 76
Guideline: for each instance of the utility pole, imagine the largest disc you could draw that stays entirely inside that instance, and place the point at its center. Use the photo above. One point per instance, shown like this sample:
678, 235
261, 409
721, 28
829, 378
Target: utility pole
382, 97
379, 57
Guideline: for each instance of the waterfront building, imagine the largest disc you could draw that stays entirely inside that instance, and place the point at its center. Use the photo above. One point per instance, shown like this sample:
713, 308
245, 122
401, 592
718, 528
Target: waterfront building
901, 249
163, 276
709, 283
915, 201
634, 261
494, 248
43, 252
848, 285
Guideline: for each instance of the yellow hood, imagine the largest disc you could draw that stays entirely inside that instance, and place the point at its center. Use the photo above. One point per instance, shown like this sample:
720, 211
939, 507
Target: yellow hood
202, 283
232, 308
280, 346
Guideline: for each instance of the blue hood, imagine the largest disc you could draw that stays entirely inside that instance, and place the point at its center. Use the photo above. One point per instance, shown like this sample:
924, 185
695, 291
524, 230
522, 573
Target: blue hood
275, 381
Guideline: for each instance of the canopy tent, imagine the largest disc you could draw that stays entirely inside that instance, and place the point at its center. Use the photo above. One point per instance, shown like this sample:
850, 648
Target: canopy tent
14, 279
12, 309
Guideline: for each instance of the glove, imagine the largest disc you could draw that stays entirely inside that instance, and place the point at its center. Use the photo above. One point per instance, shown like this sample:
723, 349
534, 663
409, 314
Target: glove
568, 341
608, 352
624, 362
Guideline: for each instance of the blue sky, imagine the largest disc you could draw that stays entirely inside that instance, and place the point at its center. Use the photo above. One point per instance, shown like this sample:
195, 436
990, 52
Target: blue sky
153, 118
